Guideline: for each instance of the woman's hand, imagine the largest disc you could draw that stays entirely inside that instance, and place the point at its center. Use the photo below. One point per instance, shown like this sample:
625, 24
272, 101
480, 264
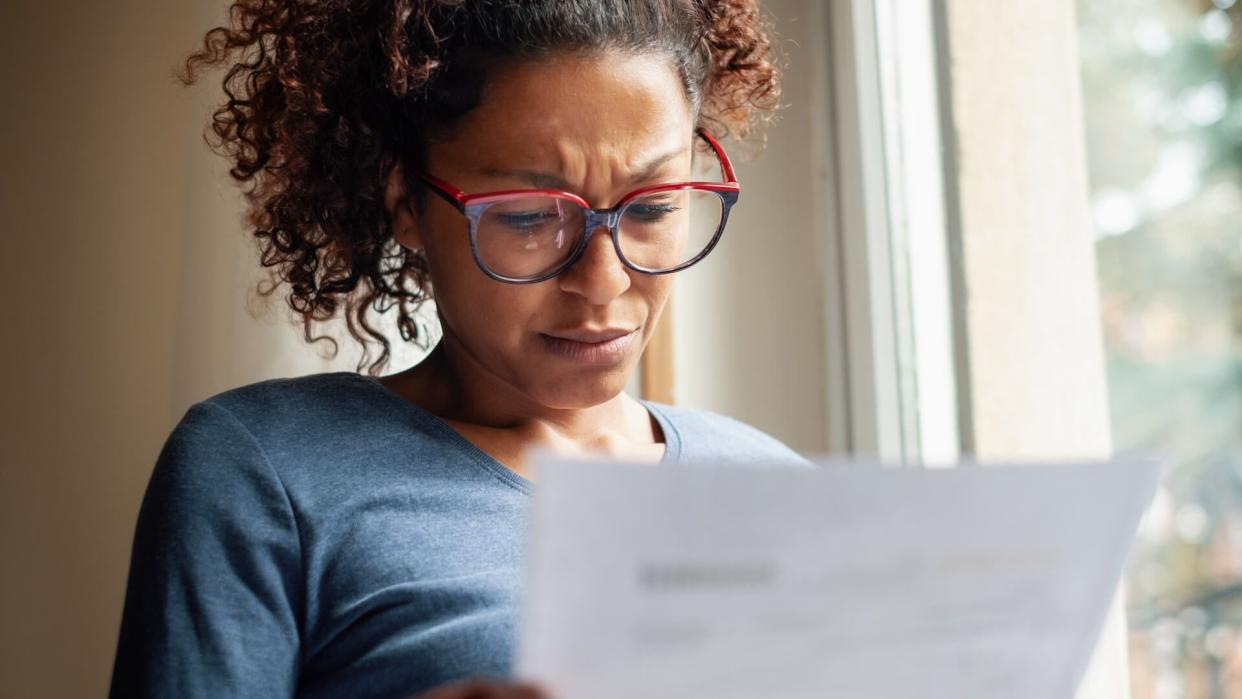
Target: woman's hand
484, 689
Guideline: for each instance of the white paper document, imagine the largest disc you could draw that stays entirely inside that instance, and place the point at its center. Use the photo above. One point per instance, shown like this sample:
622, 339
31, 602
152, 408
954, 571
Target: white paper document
844, 581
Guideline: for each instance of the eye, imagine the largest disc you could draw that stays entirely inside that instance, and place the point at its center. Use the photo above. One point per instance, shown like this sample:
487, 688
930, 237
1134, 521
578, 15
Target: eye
651, 211
525, 221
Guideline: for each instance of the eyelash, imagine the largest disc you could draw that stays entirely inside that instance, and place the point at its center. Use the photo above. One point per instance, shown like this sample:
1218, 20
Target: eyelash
526, 221
660, 210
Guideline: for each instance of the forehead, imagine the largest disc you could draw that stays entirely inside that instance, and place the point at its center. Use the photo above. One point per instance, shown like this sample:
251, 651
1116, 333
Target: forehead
618, 107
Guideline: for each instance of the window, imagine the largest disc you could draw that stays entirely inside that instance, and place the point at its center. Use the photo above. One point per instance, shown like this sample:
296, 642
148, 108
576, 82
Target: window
1162, 82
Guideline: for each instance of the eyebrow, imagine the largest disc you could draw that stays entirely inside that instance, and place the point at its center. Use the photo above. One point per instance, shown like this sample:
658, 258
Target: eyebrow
550, 180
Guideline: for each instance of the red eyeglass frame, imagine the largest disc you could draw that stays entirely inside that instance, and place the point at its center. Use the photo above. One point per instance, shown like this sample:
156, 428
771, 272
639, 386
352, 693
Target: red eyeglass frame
473, 205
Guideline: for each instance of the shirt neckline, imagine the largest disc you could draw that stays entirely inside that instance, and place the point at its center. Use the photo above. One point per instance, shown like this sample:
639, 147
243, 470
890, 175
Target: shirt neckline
672, 437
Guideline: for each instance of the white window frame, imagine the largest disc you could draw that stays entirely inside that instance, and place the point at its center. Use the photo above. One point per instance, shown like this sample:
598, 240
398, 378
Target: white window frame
899, 371
893, 386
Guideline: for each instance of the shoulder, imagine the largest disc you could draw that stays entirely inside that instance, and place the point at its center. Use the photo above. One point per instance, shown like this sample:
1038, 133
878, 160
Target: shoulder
296, 400
706, 435
211, 475
320, 414
268, 429
320, 433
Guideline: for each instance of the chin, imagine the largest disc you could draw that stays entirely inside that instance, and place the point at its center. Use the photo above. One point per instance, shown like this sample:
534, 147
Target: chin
582, 389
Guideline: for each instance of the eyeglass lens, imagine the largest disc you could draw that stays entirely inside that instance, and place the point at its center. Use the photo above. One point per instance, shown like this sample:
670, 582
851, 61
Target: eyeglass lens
527, 237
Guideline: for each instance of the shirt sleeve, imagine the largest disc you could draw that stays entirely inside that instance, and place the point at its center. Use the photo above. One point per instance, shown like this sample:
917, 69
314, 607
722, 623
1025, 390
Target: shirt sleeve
215, 581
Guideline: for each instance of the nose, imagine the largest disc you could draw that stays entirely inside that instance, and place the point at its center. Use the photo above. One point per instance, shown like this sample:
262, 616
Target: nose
599, 275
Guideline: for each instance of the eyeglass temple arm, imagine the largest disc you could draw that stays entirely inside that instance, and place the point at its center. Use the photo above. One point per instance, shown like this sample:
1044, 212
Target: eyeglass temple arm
444, 190
725, 165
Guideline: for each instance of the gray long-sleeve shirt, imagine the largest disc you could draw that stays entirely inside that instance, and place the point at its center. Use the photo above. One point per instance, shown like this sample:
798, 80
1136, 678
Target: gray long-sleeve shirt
321, 536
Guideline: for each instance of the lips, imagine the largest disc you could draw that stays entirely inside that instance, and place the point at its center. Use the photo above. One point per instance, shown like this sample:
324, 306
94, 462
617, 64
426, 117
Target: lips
591, 345
590, 335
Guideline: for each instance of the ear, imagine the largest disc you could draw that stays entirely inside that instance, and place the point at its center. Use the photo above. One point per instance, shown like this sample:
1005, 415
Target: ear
397, 202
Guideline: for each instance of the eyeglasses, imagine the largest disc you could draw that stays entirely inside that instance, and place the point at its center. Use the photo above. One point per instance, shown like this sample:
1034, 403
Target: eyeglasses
525, 236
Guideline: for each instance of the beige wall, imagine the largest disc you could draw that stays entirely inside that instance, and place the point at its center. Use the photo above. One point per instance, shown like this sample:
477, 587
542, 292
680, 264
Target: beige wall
749, 337
1035, 389
129, 277
94, 199
128, 274
1027, 248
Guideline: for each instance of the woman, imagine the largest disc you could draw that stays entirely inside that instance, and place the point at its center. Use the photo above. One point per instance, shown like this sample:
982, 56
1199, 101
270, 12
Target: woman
346, 535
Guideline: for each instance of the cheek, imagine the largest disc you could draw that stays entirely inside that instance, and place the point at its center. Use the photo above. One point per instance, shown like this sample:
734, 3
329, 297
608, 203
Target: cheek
655, 290
481, 311
464, 295
446, 240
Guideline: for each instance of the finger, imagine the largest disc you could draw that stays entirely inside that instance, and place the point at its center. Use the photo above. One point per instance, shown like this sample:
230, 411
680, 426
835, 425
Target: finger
468, 689
526, 690
485, 689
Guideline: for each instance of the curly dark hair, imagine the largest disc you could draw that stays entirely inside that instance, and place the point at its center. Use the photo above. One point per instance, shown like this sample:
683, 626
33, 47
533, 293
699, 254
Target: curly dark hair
326, 96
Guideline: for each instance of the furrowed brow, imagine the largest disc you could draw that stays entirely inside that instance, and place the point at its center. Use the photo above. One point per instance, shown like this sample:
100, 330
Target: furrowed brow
549, 180
649, 169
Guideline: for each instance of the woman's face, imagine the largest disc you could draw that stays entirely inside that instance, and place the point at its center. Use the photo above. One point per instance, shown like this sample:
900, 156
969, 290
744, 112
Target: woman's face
599, 127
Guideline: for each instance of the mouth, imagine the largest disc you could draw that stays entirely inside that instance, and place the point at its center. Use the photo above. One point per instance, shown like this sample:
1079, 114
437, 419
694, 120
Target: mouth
591, 346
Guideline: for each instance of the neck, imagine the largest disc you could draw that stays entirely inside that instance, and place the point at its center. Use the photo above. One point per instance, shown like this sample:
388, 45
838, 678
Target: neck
454, 385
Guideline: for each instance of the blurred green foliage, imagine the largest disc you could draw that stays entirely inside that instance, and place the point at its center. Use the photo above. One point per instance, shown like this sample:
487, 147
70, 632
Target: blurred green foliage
1162, 86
